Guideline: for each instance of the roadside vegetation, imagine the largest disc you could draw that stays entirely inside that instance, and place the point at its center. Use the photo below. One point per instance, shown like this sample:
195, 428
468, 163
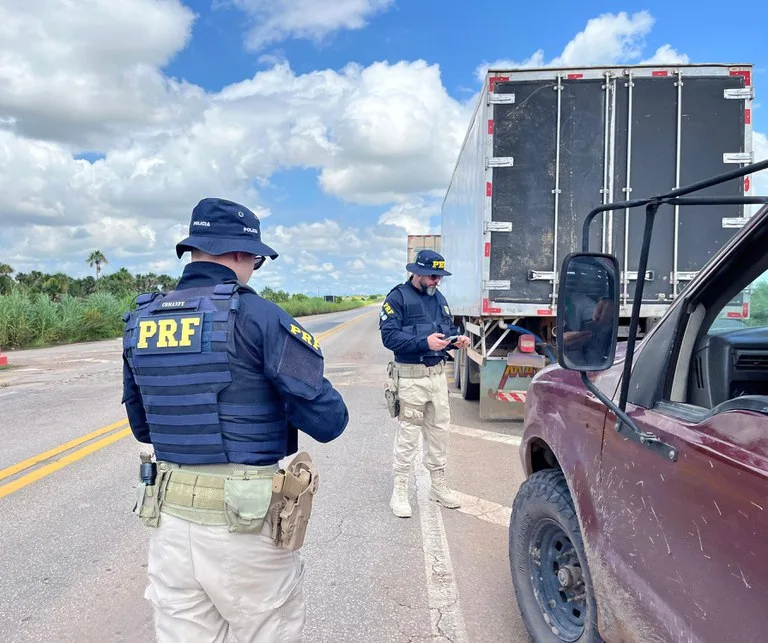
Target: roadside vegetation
38, 309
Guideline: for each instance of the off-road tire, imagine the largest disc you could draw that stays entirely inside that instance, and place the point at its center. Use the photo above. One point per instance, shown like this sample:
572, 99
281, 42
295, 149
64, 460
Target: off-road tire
544, 502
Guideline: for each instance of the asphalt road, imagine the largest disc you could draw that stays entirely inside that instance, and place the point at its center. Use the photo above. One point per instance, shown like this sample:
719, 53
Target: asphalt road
73, 556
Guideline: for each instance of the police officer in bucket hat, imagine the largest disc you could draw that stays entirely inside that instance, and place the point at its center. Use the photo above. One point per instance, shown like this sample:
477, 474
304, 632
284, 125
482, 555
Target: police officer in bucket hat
416, 325
219, 381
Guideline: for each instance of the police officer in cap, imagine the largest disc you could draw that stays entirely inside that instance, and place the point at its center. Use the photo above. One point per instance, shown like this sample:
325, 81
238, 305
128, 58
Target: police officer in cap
415, 324
218, 381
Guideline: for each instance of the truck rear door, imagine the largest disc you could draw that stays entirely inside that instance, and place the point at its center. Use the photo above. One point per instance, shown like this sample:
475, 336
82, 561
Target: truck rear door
675, 129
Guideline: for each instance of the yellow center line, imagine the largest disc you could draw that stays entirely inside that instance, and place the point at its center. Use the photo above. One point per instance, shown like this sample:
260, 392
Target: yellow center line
31, 462
336, 329
68, 459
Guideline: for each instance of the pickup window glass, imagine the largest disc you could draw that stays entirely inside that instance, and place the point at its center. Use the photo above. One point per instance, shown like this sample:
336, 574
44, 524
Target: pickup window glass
730, 359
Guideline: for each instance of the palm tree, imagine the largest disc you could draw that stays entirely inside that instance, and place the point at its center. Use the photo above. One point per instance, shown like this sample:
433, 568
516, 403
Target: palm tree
96, 258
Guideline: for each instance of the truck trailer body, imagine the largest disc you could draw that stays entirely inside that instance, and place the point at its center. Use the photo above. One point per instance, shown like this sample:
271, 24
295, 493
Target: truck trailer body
544, 147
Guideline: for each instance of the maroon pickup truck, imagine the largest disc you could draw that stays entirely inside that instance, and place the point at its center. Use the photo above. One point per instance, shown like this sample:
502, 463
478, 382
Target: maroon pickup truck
645, 508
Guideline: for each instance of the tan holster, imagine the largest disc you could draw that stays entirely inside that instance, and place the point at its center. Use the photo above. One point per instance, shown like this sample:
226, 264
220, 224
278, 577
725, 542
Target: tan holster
390, 391
293, 490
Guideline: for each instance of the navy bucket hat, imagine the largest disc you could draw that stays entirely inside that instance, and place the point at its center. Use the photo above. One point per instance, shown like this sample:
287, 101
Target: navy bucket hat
428, 262
219, 226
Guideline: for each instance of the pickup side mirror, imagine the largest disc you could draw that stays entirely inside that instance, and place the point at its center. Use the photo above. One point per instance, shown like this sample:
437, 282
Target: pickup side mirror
588, 311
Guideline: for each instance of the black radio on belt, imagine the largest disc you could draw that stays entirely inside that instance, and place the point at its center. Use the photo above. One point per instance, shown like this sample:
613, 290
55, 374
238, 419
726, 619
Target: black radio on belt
148, 469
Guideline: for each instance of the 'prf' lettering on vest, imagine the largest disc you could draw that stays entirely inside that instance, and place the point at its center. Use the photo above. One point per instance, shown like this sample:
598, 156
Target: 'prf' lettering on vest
169, 332
300, 332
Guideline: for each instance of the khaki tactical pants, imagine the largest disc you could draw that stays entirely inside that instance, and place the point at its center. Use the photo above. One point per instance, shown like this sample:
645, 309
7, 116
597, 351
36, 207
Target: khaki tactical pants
205, 579
424, 408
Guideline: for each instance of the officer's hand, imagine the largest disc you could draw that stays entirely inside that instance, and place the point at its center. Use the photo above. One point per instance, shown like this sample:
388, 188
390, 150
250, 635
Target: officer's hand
435, 342
462, 342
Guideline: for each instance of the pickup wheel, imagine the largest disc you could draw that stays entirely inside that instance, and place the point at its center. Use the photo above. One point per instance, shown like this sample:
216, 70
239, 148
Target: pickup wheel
548, 563
469, 390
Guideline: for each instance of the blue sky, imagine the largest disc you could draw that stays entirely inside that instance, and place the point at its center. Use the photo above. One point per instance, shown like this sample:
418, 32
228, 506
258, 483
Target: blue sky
338, 123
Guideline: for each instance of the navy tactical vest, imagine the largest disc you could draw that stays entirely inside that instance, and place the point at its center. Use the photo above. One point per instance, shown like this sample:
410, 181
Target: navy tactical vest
204, 403
418, 322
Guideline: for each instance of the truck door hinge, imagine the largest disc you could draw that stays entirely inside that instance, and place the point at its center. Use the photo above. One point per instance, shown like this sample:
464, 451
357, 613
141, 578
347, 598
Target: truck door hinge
497, 226
742, 93
497, 285
501, 99
735, 222
737, 157
499, 161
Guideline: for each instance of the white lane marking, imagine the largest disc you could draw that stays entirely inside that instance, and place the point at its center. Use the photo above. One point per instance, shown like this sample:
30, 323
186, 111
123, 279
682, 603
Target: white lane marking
484, 509
454, 394
486, 435
443, 593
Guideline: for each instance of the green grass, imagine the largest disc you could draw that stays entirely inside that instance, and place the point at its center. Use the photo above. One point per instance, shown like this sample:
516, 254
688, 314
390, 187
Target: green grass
29, 321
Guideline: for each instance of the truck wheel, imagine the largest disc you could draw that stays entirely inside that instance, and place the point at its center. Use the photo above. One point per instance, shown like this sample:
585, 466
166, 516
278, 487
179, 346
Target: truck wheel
548, 563
469, 390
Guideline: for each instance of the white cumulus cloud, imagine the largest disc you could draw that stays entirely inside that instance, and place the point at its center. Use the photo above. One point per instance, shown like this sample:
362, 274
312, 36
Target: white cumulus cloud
606, 40
385, 135
278, 20
80, 72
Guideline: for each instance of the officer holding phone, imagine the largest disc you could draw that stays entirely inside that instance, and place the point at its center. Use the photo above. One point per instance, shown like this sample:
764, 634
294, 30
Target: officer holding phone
417, 326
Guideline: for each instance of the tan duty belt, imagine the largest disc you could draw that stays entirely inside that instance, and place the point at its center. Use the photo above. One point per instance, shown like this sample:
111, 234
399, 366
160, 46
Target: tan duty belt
418, 370
196, 493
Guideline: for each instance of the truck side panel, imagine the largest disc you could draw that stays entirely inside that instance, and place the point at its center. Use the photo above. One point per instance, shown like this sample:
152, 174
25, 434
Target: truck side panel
462, 217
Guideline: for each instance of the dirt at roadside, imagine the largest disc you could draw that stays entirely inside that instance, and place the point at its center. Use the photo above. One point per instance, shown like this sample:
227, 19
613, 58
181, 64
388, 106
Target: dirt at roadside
39, 366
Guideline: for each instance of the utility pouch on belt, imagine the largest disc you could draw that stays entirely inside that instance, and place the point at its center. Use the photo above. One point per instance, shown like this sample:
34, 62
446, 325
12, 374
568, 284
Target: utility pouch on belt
246, 502
293, 490
148, 491
390, 392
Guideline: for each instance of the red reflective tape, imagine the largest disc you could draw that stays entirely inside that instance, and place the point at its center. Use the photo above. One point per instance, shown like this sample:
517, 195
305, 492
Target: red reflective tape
660, 73
734, 315
487, 248
488, 189
575, 76
544, 311
504, 396
743, 72
747, 117
496, 79
747, 183
487, 307
490, 126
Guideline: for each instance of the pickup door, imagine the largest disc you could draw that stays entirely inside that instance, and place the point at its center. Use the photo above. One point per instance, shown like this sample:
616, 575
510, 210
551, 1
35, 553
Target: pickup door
684, 525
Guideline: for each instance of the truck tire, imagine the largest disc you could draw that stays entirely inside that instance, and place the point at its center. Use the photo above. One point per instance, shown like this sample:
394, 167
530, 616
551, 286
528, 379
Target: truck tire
469, 390
548, 563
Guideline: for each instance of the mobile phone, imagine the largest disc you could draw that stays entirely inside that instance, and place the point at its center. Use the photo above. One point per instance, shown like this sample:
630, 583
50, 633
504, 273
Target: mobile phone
451, 339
